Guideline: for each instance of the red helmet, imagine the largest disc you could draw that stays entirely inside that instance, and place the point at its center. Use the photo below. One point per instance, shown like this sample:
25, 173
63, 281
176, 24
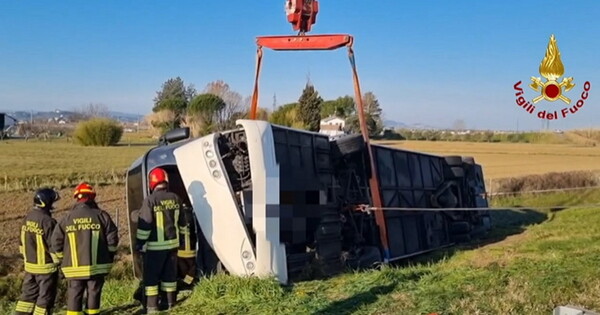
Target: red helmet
157, 176
84, 192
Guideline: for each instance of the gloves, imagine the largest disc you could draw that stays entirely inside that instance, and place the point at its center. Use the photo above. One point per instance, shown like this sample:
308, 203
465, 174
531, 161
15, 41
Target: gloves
140, 248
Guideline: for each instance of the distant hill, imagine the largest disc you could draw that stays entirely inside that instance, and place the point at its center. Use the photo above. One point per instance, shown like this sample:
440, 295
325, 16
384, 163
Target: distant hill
400, 125
67, 115
126, 117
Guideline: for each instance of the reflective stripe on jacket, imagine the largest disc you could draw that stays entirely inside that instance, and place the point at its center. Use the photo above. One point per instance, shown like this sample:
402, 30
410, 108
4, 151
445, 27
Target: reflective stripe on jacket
189, 239
85, 240
159, 221
34, 243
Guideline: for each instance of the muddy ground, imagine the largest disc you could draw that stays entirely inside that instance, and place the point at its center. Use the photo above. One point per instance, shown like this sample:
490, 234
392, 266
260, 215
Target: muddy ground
15, 205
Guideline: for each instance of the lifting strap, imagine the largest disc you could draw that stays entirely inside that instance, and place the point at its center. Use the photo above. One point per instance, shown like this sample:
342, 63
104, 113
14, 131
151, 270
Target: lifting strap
373, 180
254, 107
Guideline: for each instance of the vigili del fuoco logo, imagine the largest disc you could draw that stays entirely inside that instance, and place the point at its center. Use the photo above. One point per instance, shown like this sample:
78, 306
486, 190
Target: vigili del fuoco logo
551, 90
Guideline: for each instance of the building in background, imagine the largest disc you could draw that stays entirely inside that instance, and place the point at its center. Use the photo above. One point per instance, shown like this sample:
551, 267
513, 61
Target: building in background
332, 126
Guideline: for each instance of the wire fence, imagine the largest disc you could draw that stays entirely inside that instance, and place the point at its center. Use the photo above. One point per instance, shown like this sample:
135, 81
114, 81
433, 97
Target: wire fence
493, 194
557, 207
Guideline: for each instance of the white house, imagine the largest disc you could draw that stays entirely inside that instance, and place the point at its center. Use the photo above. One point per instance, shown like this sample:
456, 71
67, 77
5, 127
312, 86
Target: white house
332, 126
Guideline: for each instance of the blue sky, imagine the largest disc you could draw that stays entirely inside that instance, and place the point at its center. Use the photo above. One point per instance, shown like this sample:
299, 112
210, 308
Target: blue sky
428, 62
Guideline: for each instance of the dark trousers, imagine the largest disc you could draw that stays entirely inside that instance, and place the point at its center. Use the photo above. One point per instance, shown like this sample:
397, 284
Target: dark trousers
38, 294
76, 289
186, 269
160, 268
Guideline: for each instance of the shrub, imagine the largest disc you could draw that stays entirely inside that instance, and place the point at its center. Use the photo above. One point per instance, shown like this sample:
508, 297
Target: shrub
98, 132
555, 180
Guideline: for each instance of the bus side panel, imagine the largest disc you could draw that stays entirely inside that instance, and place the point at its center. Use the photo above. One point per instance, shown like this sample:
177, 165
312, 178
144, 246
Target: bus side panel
408, 180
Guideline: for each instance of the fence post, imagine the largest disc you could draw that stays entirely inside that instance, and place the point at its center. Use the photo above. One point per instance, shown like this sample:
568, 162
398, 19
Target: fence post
117, 218
491, 191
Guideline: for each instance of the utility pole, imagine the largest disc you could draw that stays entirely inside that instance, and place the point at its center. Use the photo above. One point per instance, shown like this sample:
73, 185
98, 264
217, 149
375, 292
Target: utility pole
274, 101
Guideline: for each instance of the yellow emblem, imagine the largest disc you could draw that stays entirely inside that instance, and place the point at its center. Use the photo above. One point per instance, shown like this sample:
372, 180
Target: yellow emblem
552, 68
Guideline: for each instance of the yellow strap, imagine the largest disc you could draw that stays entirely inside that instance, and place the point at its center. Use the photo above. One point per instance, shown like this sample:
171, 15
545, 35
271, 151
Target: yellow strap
175, 223
95, 240
170, 244
187, 241
188, 279
186, 253
160, 227
94, 311
37, 269
25, 307
24, 252
39, 310
40, 250
86, 271
168, 286
73, 248
142, 234
55, 258
152, 291
74, 313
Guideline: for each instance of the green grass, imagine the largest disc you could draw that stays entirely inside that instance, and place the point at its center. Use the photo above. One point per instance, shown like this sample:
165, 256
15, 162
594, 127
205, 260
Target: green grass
28, 165
533, 261
552, 263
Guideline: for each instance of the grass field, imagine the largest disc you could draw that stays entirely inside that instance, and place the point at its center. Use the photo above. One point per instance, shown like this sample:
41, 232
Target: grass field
501, 160
533, 261
26, 165
30, 164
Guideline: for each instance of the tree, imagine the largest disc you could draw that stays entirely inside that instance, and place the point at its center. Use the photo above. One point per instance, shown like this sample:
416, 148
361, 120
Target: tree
287, 115
353, 125
92, 110
372, 107
161, 121
204, 112
341, 107
174, 96
234, 104
309, 108
372, 112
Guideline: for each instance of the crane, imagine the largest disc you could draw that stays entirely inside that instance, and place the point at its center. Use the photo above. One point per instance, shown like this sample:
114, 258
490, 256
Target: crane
302, 14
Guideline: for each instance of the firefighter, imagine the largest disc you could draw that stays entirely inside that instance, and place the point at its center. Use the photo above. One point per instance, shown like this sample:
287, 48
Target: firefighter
41, 276
157, 235
186, 255
85, 240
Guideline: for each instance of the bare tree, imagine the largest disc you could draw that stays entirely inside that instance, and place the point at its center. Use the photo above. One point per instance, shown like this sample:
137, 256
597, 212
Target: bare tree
161, 121
234, 103
93, 110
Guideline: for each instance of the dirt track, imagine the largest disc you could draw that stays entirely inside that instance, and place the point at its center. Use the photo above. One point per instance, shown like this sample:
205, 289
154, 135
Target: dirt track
15, 205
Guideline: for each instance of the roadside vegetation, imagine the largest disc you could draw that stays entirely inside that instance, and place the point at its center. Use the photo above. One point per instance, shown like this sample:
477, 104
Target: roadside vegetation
28, 165
587, 137
532, 262
60, 163
98, 132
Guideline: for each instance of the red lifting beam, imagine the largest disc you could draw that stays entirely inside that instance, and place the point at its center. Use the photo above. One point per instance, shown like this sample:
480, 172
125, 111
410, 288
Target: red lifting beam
329, 42
308, 42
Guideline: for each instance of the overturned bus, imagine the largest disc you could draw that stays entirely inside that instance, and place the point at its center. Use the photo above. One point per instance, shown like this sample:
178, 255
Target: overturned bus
275, 201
